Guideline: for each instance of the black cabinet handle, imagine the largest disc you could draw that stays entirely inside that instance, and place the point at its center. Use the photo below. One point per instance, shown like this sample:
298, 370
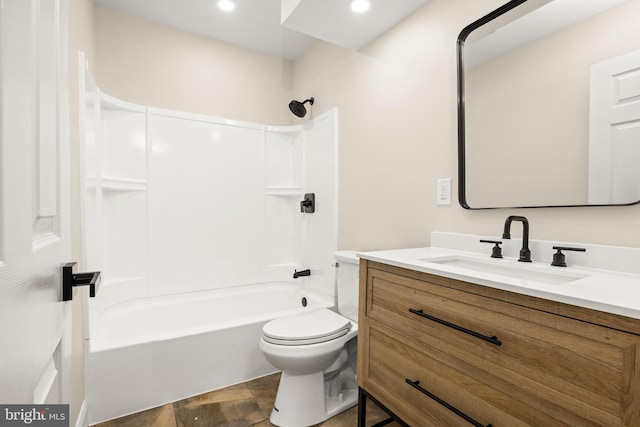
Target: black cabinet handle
492, 340
458, 412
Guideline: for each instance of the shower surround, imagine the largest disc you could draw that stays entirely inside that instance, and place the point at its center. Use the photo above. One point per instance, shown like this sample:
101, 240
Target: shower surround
177, 207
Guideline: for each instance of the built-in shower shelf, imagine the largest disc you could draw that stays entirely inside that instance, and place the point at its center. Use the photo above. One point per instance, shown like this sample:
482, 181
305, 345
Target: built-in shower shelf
283, 191
117, 184
285, 130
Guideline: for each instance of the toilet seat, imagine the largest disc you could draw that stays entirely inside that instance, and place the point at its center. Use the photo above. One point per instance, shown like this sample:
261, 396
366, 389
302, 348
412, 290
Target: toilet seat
307, 328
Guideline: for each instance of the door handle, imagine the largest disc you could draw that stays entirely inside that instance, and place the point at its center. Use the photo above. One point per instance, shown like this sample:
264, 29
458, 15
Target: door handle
70, 279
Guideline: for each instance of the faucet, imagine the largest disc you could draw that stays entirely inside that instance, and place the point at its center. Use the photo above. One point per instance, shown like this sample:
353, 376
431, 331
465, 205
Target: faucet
300, 273
525, 253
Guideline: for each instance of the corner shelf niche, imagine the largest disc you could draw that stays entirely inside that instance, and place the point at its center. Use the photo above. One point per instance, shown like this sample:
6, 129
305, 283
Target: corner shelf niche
283, 191
284, 188
116, 184
114, 143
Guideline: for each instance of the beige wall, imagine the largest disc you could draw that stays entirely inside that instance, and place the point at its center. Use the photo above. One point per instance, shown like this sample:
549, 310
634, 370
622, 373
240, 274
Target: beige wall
397, 118
81, 30
398, 134
151, 64
397, 105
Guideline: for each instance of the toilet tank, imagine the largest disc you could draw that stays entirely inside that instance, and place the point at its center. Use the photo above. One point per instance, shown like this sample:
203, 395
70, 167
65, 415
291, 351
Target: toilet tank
347, 273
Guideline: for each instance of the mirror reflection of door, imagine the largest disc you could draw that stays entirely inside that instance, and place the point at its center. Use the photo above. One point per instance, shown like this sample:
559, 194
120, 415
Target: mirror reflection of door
614, 134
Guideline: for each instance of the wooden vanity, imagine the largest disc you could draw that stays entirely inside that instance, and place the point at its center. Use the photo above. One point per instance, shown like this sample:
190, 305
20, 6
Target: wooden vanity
436, 351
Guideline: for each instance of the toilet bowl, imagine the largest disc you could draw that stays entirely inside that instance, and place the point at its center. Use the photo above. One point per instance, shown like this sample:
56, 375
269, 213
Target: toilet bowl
316, 352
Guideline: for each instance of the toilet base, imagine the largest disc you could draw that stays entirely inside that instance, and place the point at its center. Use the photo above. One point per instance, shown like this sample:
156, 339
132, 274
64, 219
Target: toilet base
305, 400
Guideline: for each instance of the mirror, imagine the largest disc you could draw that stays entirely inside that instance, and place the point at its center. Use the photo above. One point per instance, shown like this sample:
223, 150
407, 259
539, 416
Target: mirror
549, 105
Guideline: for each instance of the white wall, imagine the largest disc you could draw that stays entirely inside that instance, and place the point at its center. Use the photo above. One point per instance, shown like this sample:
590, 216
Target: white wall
178, 202
206, 205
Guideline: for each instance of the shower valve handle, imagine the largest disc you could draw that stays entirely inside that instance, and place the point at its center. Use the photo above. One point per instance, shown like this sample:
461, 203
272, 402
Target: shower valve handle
308, 205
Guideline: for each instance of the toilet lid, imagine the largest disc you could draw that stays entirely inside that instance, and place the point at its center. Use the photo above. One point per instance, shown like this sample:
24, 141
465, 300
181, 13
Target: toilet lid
307, 328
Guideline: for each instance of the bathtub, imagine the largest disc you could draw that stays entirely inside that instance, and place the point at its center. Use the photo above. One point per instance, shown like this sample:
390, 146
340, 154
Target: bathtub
149, 352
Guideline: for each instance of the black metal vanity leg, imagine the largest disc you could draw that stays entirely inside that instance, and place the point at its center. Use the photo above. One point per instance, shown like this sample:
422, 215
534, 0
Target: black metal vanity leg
362, 408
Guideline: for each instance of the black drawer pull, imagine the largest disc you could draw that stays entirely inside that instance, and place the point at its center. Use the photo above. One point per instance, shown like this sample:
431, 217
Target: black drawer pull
492, 340
416, 384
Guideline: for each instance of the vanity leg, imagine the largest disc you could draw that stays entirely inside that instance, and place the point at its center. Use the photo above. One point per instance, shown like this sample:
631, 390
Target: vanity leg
362, 411
362, 408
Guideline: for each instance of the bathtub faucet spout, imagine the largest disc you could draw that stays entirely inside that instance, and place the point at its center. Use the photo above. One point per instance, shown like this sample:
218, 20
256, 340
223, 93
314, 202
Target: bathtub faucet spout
297, 273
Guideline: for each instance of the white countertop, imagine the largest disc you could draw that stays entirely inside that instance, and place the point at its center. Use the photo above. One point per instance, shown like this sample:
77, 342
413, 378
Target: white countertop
604, 290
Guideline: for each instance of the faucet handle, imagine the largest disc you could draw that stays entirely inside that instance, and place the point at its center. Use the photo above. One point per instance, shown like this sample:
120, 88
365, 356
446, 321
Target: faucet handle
559, 258
496, 251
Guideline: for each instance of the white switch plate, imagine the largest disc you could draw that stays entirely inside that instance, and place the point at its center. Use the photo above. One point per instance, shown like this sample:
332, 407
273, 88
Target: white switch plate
443, 194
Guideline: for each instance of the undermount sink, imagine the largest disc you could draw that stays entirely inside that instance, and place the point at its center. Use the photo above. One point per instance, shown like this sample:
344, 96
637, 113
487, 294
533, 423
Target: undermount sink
511, 269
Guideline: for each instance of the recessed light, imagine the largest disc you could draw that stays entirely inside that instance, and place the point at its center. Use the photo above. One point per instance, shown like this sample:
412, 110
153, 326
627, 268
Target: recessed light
226, 5
360, 6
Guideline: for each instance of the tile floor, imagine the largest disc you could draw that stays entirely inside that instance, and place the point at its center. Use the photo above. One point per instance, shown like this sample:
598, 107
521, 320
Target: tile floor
241, 405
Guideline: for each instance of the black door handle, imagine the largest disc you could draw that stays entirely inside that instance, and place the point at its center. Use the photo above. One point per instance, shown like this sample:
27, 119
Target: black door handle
70, 279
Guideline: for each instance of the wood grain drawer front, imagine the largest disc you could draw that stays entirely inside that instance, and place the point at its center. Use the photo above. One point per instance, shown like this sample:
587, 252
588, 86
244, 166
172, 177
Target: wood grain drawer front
559, 366
450, 396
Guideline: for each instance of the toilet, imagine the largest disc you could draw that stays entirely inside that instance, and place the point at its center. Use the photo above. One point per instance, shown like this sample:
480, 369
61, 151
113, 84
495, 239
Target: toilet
316, 352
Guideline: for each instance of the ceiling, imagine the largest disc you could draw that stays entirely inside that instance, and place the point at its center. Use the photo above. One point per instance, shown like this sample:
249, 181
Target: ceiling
280, 28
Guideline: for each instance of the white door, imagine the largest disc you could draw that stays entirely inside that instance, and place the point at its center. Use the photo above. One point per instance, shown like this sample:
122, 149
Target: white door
614, 131
34, 202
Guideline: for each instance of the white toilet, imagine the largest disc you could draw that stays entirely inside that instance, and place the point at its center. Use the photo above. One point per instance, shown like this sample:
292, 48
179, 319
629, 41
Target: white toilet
316, 352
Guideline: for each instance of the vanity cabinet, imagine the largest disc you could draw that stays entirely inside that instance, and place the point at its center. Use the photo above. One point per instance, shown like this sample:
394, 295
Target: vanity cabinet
441, 352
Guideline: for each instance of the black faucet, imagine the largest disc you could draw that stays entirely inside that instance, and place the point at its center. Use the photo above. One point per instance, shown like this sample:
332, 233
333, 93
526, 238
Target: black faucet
525, 253
300, 273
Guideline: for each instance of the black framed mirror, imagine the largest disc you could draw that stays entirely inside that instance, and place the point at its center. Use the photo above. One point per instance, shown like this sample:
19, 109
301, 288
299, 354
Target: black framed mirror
549, 105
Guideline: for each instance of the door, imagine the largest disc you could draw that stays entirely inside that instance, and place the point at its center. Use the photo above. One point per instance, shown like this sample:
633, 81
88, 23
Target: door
34, 202
614, 131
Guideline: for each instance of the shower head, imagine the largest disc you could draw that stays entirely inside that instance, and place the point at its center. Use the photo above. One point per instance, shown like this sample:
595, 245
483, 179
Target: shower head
297, 107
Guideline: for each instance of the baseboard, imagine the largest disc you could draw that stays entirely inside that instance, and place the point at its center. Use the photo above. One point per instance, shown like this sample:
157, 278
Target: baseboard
83, 420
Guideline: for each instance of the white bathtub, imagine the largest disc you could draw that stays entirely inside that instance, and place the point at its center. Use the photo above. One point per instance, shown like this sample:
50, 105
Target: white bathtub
150, 352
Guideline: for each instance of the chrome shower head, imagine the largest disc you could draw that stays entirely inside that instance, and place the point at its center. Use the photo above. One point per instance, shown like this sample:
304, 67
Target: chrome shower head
298, 108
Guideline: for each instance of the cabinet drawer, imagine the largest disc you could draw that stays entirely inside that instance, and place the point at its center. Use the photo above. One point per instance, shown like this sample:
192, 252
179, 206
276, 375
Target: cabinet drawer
429, 392
561, 367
